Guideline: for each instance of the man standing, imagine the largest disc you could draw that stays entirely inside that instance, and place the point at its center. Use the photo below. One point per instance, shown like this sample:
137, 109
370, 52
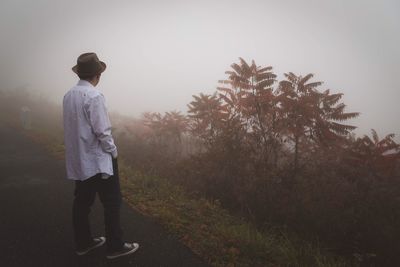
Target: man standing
91, 160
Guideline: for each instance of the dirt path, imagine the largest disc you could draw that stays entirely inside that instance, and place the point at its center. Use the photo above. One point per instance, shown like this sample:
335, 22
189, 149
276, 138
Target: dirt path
35, 216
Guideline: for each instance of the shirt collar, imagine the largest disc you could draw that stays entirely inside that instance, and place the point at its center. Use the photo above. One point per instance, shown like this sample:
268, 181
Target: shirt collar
85, 83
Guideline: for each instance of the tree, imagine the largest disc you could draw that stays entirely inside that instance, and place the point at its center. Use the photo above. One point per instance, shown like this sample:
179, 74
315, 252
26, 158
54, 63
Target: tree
167, 129
312, 118
375, 154
248, 96
206, 115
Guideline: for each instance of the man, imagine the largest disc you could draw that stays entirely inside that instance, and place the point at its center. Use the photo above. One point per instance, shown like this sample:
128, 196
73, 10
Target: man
91, 160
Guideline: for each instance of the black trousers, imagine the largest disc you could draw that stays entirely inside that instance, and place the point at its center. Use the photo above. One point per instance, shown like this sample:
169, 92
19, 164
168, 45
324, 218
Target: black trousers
110, 196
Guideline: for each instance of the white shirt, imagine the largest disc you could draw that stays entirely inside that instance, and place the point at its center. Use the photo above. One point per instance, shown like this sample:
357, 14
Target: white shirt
89, 145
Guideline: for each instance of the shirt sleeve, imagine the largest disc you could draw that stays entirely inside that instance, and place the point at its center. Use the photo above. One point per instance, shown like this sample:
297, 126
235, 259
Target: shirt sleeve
100, 123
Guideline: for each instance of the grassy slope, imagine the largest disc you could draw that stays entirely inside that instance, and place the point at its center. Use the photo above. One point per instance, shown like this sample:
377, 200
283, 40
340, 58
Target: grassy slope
210, 231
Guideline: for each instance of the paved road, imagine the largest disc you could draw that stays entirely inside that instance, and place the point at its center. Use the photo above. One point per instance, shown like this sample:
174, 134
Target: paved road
35, 216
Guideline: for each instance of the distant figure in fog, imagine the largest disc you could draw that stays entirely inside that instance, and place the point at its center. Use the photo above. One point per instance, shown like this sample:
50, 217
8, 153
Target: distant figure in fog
25, 115
91, 160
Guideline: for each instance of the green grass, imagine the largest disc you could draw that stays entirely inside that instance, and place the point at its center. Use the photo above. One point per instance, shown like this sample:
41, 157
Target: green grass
214, 234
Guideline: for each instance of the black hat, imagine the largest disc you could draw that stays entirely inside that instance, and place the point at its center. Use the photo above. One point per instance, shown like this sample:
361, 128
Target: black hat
88, 64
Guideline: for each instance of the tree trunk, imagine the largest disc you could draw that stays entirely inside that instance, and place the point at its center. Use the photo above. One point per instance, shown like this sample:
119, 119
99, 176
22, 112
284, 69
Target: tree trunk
296, 155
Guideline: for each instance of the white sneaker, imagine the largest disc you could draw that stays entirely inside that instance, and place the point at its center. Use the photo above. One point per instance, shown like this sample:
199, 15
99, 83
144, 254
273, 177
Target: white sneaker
97, 242
127, 249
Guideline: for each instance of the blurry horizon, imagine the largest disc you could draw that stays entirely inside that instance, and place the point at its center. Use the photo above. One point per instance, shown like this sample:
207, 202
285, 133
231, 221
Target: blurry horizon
160, 53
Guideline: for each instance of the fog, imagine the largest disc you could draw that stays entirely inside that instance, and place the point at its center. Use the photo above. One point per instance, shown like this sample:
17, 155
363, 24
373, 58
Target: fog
160, 53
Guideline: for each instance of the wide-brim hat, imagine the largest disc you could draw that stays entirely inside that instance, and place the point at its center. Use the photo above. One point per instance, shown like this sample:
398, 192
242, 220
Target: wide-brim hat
88, 64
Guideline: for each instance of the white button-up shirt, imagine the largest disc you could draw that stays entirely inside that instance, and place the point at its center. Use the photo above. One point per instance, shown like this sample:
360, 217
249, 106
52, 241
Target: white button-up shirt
89, 145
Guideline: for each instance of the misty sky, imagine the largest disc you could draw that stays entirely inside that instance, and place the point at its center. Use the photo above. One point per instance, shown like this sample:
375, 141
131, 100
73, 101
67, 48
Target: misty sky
160, 53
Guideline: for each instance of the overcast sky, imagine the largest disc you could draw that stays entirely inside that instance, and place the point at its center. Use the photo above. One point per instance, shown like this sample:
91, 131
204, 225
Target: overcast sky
160, 53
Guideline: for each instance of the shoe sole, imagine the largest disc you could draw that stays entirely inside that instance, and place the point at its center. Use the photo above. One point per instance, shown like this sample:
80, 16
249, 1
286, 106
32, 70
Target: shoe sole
81, 253
110, 257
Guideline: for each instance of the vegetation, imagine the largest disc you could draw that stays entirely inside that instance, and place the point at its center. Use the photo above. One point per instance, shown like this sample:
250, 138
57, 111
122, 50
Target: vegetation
260, 173
281, 153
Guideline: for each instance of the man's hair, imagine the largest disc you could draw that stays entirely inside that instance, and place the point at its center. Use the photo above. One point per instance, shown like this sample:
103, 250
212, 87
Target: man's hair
87, 77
